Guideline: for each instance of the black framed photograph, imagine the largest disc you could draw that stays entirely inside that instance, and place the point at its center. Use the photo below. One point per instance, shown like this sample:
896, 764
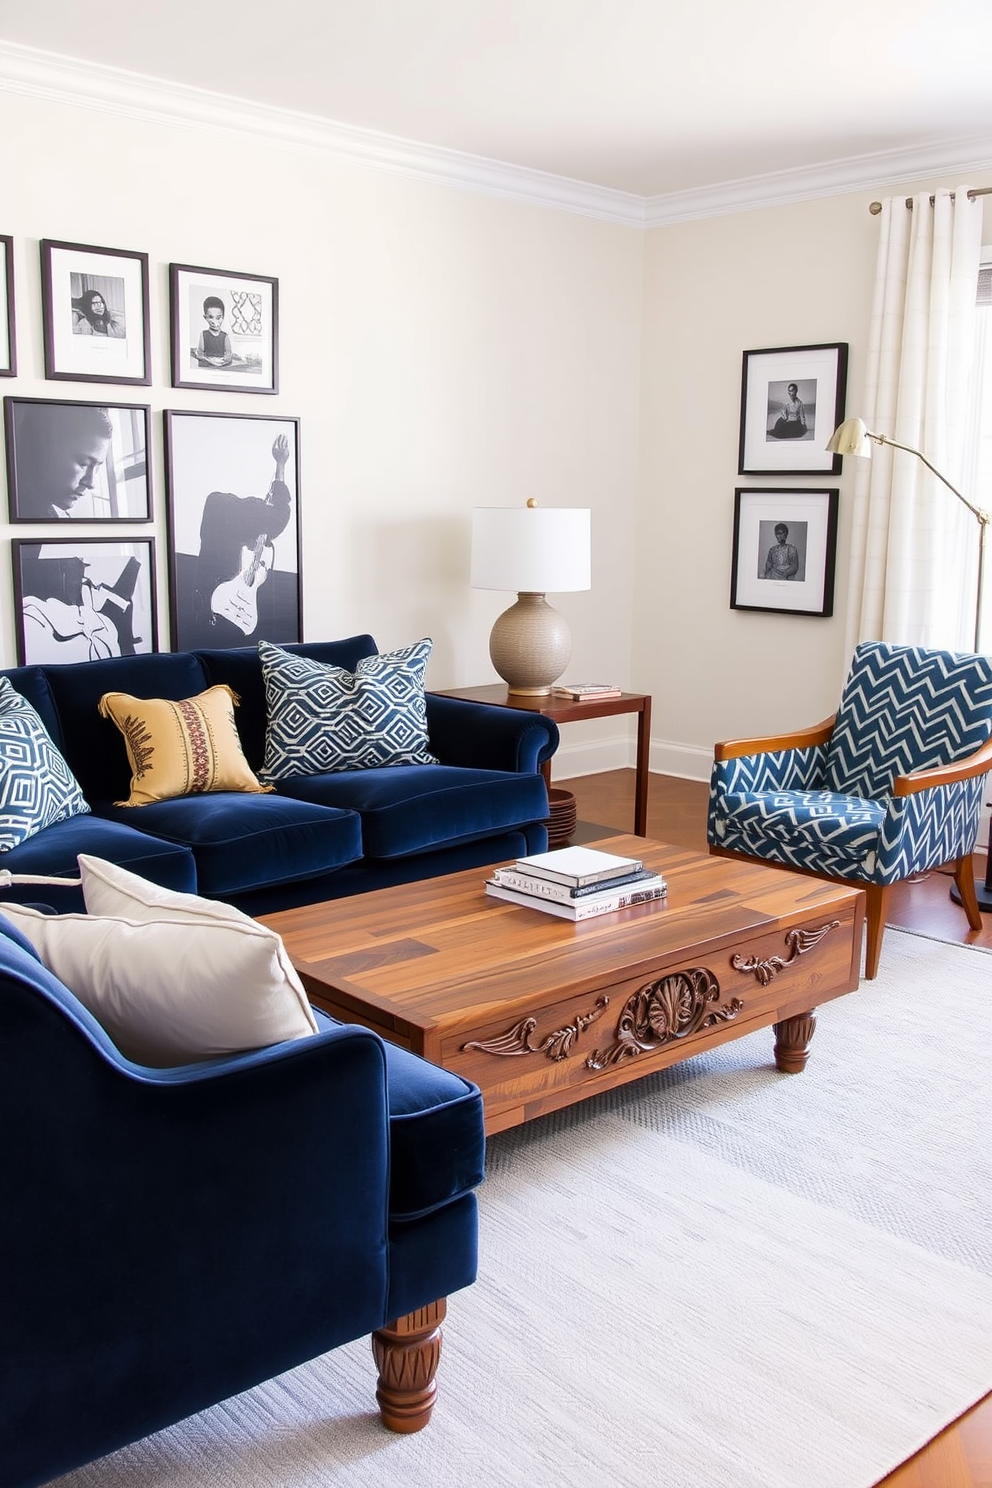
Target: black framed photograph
8, 353
234, 528
785, 549
792, 399
77, 460
83, 599
225, 330
95, 312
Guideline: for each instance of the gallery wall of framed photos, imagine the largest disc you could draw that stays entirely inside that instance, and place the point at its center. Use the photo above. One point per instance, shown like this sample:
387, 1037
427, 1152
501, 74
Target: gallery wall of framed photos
784, 544
82, 462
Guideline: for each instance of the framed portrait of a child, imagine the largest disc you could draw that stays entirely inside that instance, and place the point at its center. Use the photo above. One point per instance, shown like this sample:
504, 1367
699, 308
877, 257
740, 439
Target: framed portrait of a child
225, 330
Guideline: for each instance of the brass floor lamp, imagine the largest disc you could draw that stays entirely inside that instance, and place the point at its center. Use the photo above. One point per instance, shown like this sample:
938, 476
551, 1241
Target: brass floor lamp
853, 438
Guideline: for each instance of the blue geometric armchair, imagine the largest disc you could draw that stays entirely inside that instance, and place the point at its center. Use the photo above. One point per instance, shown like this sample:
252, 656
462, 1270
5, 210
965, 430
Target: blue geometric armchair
891, 786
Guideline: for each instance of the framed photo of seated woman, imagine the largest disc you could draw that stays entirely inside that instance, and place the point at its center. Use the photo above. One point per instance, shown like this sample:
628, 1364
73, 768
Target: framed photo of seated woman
95, 313
83, 599
792, 399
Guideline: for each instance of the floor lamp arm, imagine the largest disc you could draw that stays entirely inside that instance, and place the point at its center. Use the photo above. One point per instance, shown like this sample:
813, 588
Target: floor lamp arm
976, 511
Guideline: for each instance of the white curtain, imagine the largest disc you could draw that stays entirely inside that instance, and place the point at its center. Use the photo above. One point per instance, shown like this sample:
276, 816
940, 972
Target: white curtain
914, 546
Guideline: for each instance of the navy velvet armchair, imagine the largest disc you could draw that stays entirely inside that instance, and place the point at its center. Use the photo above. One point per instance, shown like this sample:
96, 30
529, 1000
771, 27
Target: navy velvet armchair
169, 1237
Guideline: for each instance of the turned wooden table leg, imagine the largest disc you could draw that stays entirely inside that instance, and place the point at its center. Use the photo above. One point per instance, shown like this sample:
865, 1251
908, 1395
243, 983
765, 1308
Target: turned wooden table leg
792, 1038
406, 1354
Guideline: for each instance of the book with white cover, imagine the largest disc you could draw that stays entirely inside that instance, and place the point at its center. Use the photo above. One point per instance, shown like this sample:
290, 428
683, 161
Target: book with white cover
550, 888
587, 692
578, 865
587, 908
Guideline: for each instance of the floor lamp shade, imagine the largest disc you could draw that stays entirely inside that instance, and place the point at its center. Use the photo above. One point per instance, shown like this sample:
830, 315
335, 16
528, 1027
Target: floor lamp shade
534, 551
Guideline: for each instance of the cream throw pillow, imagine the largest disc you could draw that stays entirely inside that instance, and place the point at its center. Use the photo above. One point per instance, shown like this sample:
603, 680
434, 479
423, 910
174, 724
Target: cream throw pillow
180, 749
172, 978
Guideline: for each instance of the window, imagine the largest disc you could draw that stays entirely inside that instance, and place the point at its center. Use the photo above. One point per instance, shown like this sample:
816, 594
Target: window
977, 472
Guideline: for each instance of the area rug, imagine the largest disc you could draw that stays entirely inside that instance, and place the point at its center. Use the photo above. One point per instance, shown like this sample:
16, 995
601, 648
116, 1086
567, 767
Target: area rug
718, 1277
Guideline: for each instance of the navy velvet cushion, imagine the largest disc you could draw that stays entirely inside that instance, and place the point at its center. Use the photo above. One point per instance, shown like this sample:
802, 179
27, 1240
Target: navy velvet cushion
436, 1133
437, 1137
32, 683
240, 669
242, 841
419, 807
55, 851
94, 746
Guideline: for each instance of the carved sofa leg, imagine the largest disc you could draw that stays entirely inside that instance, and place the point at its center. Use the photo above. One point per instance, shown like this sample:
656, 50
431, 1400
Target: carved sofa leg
406, 1354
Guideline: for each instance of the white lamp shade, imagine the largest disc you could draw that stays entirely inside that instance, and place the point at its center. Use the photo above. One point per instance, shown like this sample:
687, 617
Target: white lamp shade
531, 549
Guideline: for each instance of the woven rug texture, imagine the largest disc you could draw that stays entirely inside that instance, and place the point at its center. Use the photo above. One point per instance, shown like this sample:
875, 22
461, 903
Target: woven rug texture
716, 1277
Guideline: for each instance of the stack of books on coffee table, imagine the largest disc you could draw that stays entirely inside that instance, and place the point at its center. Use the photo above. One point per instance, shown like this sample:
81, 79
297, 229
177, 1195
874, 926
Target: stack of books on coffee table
577, 883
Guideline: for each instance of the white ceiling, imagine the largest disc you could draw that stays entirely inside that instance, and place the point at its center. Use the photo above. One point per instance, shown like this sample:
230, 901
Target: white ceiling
642, 96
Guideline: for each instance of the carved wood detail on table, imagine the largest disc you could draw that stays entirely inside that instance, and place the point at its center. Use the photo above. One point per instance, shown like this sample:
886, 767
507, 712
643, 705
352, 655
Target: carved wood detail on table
664, 1011
798, 941
557, 1045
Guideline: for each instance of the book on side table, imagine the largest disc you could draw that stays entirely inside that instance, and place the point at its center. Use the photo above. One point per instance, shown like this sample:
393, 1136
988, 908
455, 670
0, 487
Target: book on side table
577, 883
586, 692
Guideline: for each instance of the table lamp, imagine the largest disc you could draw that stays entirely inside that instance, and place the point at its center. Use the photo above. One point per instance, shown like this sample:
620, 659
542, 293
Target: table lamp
533, 550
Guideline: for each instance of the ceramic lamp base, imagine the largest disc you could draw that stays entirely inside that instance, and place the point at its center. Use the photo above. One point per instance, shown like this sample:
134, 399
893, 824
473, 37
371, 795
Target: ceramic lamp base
530, 646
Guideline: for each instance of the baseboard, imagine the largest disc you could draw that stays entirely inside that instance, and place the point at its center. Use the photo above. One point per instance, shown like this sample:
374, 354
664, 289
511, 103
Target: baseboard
686, 761
597, 756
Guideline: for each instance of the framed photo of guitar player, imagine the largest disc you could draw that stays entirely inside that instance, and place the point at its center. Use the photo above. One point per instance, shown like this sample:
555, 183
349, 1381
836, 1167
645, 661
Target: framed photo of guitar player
232, 482
83, 598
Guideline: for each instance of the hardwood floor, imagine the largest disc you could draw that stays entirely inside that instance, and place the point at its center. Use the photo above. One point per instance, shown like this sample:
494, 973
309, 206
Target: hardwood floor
961, 1456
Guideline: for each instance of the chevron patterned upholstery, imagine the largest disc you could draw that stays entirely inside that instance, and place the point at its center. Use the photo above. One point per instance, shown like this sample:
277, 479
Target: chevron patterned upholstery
906, 709
828, 808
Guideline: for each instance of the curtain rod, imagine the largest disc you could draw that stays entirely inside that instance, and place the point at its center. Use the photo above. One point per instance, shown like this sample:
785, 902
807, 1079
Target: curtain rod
875, 207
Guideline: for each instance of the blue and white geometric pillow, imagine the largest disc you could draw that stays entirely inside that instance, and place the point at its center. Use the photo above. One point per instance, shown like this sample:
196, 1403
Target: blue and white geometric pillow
321, 718
37, 787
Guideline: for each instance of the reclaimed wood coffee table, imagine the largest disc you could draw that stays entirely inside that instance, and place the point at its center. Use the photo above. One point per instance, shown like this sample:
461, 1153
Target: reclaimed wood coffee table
541, 1012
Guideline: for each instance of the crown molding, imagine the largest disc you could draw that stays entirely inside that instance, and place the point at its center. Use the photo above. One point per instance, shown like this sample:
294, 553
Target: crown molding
67, 80
831, 178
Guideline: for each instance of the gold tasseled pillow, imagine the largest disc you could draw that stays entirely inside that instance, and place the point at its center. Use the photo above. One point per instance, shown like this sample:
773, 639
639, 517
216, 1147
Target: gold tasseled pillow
180, 749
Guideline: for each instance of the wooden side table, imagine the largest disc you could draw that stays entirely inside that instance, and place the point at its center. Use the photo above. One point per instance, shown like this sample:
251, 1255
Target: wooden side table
563, 711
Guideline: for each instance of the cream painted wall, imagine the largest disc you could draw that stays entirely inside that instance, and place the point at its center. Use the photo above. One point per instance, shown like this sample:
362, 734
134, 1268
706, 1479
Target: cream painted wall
445, 350
788, 276
442, 350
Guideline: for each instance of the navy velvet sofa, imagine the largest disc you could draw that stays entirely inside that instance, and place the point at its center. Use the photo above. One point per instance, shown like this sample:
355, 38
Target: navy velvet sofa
318, 836
170, 1237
